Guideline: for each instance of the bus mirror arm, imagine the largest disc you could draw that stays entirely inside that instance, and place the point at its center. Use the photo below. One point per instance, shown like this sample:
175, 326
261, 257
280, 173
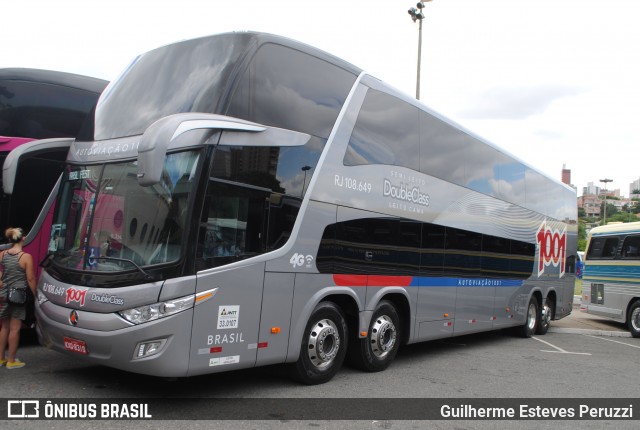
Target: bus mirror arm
160, 135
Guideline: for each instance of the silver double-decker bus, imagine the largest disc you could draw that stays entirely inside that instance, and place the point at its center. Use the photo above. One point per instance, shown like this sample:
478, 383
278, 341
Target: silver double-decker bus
249, 200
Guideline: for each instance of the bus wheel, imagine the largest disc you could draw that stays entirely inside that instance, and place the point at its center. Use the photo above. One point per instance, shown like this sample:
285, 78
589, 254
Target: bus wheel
324, 345
375, 352
633, 321
532, 319
546, 313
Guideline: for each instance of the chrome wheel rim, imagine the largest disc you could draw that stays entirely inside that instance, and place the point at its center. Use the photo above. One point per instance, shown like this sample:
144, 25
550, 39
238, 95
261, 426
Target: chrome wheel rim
383, 336
323, 343
635, 319
546, 315
531, 316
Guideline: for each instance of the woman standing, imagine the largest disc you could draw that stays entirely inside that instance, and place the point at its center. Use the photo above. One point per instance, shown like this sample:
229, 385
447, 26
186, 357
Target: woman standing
18, 273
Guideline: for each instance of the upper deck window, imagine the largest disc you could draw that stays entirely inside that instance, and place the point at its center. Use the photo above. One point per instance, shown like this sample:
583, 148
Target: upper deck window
190, 76
286, 88
387, 131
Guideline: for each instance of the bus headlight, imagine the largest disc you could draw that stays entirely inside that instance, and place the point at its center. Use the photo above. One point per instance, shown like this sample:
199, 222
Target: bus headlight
156, 311
147, 313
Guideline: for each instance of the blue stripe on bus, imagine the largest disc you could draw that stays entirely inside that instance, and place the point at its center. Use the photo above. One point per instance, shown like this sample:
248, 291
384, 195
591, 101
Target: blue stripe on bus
612, 271
464, 282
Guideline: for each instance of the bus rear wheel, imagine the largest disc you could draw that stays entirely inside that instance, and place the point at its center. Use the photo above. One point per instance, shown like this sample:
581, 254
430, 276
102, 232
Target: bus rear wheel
546, 314
633, 320
375, 352
532, 319
324, 345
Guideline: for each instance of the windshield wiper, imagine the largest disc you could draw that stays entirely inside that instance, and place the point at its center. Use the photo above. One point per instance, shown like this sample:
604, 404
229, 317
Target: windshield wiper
146, 275
46, 261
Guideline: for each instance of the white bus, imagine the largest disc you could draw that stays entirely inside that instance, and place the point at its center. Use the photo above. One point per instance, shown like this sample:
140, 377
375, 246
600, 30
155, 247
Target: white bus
250, 200
611, 277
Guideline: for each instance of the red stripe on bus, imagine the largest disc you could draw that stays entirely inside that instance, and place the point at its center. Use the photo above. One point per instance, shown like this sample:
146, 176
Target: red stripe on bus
371, 280
350, 280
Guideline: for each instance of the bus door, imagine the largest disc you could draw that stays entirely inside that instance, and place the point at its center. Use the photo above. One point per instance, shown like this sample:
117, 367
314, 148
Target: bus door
29, 174
232, 228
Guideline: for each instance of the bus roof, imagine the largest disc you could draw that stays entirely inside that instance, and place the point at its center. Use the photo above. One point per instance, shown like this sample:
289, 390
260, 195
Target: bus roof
82, 82
627, 227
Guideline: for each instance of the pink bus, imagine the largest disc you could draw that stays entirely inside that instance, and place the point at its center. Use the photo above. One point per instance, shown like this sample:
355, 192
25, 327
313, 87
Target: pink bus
41, 113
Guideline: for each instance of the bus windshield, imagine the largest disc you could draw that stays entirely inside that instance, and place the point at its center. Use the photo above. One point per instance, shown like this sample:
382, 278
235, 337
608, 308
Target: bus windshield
106, 222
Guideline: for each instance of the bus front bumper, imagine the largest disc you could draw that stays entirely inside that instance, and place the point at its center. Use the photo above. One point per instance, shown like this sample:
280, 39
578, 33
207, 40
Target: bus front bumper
158, 348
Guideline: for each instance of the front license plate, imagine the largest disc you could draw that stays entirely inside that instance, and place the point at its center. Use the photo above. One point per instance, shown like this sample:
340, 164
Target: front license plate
75, 345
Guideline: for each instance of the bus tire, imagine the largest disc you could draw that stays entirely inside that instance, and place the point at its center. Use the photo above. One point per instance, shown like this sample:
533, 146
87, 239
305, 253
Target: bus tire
532, 319
375, 352
324, 345
633, 319
546, 314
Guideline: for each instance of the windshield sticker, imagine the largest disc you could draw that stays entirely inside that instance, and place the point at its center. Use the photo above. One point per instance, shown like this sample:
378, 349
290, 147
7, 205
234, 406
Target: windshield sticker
79, 174
228, 317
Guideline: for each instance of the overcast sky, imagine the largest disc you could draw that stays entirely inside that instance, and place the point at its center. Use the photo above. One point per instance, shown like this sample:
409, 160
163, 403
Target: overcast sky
553, 82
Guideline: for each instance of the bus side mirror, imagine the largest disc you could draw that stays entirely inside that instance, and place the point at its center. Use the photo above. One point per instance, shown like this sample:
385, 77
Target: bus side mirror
159, 136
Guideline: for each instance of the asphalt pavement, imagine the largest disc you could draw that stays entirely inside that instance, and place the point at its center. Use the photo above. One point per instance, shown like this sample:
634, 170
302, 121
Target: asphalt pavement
580, 322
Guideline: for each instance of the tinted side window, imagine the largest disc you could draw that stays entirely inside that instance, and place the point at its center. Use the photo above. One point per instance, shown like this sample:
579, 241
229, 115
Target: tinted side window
462, 253
409, 252
41, 111
439, 142
610, 247
365, 246
233, 224
522, 256
631, 247
286, 88
387, 131
285, 170
496, 257
253, 200
603, 247
409, 248
433, 238
595, 247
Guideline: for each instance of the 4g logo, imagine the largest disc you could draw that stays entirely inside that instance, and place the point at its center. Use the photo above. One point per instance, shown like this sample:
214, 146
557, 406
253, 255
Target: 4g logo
552, 248
299, 260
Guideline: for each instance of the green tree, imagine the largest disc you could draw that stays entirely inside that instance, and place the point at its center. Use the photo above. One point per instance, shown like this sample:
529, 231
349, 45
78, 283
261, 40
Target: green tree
582, 235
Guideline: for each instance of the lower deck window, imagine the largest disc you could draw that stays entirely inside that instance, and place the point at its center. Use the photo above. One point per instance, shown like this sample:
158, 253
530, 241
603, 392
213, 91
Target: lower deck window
383, 246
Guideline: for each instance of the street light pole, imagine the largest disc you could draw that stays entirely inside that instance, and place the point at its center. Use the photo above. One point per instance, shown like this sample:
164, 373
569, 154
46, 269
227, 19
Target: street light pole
417, 15
305, 169
605, 181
